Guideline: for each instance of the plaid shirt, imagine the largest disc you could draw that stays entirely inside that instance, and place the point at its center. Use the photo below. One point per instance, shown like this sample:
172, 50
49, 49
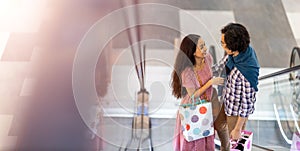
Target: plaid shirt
238, 96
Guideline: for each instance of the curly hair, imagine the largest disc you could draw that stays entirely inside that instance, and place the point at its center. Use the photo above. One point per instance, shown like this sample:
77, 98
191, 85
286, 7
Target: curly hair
185, 58
236, 37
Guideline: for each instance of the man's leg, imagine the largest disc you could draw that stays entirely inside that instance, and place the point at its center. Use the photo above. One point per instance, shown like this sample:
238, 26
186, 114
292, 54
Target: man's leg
222, 130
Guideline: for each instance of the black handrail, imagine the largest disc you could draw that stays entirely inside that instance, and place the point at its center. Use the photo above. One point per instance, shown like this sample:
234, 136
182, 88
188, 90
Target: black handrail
284, 71
295, 51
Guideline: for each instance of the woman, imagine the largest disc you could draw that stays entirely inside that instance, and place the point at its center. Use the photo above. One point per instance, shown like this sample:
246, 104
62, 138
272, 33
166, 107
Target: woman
192, 75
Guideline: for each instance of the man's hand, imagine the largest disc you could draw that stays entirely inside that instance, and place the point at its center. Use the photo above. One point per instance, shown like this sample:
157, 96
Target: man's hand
235, 134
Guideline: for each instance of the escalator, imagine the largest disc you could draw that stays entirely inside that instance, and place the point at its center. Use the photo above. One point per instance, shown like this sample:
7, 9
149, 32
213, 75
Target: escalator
277, 108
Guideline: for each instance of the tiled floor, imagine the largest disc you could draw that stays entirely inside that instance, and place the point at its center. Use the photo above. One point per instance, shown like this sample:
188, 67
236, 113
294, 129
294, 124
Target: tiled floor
38, 42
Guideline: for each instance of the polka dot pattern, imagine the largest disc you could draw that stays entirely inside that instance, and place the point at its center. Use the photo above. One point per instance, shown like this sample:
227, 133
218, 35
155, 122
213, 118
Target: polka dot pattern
195, 118
196, 121
186, 114
205, 121
202, 110
187, 127
196, 131
206, 133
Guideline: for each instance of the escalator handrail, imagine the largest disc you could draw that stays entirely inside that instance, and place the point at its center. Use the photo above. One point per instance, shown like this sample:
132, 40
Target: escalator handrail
295, 51
284, 71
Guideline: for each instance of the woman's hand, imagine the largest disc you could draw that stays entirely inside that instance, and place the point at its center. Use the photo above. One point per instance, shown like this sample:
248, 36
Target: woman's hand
217, 81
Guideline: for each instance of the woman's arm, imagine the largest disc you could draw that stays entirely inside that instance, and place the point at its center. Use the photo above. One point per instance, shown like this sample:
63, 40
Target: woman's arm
201, 90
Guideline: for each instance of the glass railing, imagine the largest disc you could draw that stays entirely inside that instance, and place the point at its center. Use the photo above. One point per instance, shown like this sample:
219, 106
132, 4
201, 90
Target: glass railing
277, 114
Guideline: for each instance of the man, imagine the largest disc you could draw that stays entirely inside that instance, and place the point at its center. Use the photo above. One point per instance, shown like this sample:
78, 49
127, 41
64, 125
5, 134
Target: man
239, 93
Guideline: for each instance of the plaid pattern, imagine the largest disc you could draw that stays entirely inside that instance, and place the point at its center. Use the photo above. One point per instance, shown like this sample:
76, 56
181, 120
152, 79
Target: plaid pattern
238, 96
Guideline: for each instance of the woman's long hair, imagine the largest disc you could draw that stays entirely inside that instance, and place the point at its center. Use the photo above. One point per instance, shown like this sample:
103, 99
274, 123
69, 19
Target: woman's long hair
185, 58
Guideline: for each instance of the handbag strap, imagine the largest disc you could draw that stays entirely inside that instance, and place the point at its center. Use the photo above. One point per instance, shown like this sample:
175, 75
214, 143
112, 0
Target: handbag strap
200, 82
199, 101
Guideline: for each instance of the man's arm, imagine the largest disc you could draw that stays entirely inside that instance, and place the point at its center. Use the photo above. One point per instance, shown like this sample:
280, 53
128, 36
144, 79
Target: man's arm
236, 132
